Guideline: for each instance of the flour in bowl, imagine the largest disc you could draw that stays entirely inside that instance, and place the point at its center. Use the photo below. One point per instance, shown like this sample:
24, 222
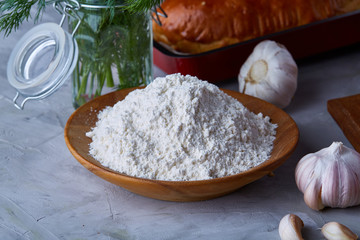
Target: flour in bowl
180, 128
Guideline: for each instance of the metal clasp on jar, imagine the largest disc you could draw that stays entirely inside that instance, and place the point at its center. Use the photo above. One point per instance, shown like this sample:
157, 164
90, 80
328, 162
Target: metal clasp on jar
162, 13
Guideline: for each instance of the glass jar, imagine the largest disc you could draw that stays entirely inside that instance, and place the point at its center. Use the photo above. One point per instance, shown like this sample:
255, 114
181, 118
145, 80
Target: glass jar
115, 49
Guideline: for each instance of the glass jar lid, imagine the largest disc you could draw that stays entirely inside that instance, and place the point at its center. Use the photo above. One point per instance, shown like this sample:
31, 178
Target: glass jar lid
41, 62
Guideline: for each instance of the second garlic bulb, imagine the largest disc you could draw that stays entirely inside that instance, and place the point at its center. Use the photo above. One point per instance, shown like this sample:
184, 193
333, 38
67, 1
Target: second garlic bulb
269, 73
330, 177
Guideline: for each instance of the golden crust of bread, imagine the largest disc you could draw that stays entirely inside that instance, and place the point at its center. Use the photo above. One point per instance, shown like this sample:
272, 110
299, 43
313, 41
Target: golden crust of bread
195, 26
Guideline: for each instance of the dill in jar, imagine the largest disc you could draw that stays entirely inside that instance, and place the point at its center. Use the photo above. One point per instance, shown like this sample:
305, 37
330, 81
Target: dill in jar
115, 51
114, 40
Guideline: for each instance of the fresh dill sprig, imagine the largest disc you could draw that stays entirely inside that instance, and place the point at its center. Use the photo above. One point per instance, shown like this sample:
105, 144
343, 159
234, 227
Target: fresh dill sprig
14, 12
141, 5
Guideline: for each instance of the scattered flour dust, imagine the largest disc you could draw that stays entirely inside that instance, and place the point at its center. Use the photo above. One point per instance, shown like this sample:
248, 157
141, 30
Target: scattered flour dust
180, 128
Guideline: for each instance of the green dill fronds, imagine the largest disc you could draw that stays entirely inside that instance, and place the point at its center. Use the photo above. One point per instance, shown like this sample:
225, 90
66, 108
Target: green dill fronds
141, 5
14, 12
111, 4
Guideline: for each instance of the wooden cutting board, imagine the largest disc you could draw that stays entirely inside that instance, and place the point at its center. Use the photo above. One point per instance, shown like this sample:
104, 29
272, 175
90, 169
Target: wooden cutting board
346, 112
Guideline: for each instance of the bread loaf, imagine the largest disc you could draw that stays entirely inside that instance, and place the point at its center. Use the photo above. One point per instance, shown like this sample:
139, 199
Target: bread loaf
195, 26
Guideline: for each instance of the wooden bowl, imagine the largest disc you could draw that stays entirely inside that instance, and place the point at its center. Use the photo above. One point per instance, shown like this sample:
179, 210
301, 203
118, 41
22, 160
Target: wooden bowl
85, 117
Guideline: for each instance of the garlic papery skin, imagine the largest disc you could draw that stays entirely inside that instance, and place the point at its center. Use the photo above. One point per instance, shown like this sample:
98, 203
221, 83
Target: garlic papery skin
330, 177
269, 73
337, 231
290, 227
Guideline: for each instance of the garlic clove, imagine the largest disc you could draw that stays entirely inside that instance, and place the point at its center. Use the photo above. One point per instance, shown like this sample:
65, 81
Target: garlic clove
312, 196
290, 227
330, 177
269, 73
340, 181
337, 231
302, 177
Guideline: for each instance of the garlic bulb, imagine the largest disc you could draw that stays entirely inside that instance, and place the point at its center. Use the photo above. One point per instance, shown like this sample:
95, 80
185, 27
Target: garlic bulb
290, 227
337, 231
270, 73
330, 177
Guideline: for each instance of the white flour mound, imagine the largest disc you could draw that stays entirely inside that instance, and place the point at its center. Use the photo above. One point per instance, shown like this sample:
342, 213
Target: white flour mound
180, 128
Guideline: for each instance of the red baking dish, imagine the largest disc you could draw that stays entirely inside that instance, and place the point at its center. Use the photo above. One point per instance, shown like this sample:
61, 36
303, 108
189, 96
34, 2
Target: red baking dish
224, 63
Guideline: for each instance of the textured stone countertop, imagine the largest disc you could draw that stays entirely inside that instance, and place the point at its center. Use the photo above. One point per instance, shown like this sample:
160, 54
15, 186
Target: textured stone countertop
46, 194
